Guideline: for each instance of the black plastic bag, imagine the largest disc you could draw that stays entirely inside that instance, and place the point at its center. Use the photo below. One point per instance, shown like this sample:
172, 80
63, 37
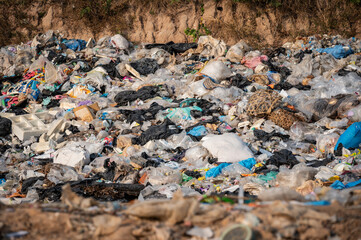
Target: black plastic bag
145, 66
163, 131
283, 157
5, 127
172, 47
125, 97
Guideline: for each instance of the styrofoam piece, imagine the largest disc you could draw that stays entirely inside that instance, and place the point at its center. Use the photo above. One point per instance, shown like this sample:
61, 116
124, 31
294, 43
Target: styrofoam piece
73, 156
43, 138
28, 125
7, 115
40, 147
55, 126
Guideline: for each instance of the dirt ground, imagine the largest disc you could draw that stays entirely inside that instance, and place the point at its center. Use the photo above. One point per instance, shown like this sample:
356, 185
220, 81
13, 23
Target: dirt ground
279, 220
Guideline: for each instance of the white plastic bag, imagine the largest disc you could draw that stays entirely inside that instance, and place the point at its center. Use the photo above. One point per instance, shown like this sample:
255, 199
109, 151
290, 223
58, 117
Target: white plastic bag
217, 70
118, 41
237, 51
227, 147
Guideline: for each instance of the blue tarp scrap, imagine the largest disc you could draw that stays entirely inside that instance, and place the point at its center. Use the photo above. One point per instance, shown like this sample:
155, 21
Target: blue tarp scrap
337, 51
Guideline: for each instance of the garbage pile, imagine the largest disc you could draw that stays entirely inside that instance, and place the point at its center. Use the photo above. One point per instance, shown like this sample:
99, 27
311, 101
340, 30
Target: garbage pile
199, 123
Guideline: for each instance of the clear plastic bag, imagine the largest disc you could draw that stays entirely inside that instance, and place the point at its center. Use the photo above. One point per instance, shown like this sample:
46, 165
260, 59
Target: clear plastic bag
163, 175
235, 170
326, 143
302, 131
60, 173
295, 177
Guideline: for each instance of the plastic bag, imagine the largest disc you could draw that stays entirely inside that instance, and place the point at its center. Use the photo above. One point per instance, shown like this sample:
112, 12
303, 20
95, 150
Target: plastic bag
295, 177
217, 71
325, 173
118, 41
234, 170
210, 47
228, 147
59, 174
354, 114
237, 51
326, 143
5, 127
75, 44
196, 153
252, 61
351, 138
302, 131
337, 51
247, 163
163, 175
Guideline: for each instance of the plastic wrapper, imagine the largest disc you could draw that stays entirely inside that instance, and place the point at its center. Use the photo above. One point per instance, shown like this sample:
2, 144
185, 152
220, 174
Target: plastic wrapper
164, 175
296, 176
302, 131
354, 114
325, 173
61, 173
326, 143
235, 170
356, 170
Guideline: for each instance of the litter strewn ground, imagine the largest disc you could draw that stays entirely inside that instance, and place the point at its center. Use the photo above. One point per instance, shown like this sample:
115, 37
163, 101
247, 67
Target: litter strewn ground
107, 139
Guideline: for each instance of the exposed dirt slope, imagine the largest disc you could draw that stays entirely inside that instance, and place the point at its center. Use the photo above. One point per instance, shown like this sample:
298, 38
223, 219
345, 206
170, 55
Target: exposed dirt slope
260, 22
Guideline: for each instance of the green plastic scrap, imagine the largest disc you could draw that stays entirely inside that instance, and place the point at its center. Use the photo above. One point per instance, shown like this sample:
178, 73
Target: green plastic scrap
52, 87
186, 178
182, 113
268, 177
46, 101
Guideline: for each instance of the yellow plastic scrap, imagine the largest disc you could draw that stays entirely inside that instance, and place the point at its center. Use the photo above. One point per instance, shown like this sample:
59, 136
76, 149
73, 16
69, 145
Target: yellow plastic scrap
258, 165
353, 154
201, 178
334, 178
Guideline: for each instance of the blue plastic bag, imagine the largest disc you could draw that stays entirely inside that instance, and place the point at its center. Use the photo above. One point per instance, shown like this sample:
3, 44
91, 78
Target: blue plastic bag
198, 131
339, 185
351, 138
337, 51
75, 44
214, 172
